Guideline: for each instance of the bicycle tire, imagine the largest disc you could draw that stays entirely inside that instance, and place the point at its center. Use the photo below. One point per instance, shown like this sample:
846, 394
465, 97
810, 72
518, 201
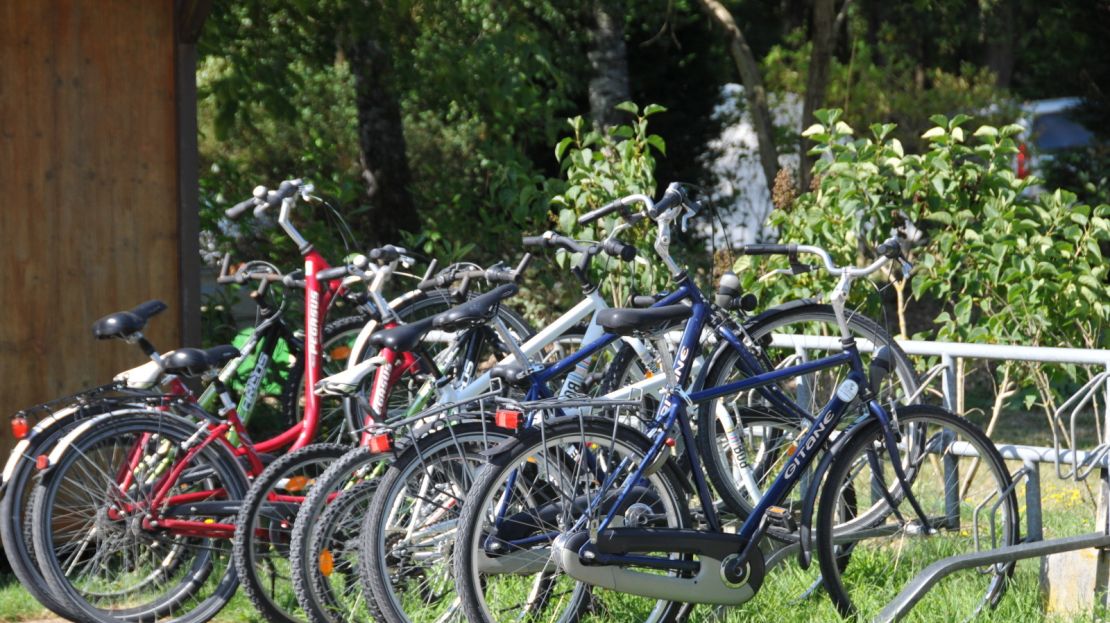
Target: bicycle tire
382, 566
214, 467
262, 529
868, 551
548, 586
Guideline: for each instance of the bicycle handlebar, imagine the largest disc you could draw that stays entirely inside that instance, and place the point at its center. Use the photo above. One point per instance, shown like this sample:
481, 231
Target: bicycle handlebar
264, 199
611, 247
889, 250
494, 274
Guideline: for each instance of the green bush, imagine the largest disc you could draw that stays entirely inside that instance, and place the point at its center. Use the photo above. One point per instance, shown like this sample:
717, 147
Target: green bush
1003, 267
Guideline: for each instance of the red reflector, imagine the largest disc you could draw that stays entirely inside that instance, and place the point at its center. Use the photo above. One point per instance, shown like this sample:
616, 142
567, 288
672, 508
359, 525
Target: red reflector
669, 442
381, 443
42, 461
20, 427
506, 418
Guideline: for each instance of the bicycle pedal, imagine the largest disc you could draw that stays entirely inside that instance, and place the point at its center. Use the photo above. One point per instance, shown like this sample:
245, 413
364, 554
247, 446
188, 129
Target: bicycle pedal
780, 517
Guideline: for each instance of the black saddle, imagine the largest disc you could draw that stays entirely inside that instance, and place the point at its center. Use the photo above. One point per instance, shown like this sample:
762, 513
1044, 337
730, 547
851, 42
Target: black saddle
186, 362
475, 311
402, 338
627, 321
220, 355
125, 323
513, 374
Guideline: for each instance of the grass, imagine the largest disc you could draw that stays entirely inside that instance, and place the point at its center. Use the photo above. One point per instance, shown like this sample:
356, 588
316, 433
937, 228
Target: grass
1068, 510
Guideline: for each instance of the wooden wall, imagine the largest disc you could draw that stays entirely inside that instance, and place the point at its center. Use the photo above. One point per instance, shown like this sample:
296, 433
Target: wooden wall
90, 219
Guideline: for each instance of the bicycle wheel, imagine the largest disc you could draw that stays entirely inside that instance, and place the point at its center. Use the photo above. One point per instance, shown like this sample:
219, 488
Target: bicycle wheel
407, 535
537, 488
336, 538
308, 560
15, 505
90, 513
870, 539
264, 526
740, 463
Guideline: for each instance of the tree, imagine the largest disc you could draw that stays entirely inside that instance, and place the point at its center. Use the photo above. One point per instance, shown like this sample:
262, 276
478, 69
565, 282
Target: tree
381, 139
609, 60
754, 91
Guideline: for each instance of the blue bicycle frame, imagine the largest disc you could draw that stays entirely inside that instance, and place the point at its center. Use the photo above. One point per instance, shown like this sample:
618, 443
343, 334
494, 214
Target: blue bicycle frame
673, 409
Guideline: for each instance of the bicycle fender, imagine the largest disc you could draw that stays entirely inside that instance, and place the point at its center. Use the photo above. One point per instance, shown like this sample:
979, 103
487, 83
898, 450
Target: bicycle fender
24, 444
805, 532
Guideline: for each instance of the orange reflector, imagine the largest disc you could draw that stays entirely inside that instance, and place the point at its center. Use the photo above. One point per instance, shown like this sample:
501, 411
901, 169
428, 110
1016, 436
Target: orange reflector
507, 418
790, 450
380, 443
20, 427
669, 442
42, 461
340, 353
327, 563
297, 483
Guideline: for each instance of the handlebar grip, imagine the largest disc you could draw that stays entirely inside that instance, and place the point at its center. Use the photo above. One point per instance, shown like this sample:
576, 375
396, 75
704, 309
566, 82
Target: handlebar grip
534, 241
608, 208
644, 300
767, 249
388, 253
674, 194
333, 273
238, 209
619, 250
891, 249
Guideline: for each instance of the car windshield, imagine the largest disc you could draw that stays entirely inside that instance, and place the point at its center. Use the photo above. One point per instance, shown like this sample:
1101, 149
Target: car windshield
1056, 131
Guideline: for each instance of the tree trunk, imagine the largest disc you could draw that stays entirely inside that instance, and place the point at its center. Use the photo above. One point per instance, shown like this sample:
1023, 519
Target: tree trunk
824, 24
609, 61
382, 155
754, 91
998, 32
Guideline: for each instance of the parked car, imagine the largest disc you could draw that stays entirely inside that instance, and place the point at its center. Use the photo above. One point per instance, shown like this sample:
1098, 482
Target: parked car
1050, 126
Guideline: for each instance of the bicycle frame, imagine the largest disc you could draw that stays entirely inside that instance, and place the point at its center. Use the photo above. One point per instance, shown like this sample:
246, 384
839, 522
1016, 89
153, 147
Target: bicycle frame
672, 410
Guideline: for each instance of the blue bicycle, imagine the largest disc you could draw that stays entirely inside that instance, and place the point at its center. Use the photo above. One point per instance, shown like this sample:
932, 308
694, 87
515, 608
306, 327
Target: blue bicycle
583, 517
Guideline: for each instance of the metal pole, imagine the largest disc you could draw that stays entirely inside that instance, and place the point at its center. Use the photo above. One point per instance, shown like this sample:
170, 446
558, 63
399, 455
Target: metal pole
951, 462
1102, 517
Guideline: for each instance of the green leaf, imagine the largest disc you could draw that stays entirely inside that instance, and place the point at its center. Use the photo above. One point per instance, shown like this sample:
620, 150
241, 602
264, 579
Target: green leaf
896, 145
657, 142
933, 133
628, 107
652, 109
814, 129
986, 130
561, 148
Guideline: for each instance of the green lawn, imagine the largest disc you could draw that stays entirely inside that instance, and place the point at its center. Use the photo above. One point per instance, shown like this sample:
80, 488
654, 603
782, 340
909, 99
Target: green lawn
1068, 509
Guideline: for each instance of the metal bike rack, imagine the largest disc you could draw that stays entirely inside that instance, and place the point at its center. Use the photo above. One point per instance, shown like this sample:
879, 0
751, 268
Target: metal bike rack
1083, 463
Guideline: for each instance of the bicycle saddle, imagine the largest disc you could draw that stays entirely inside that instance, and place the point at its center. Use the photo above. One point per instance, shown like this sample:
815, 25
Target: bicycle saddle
627, 321
186, 362
219, 355
125, 323
513, 374
475, 311
402, 338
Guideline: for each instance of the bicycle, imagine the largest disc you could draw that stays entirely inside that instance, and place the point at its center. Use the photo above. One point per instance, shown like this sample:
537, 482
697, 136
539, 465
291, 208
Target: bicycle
583, 516
401, 550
